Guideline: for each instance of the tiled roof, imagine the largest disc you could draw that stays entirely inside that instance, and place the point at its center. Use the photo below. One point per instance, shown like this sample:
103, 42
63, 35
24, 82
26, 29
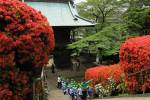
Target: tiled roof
60, 14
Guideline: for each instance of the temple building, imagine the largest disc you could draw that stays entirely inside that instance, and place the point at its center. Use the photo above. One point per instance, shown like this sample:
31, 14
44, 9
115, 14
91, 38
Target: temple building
63, 17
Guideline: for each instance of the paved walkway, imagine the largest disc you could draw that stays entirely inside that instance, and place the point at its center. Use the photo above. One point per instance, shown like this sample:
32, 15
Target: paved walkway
127, 98
55, 94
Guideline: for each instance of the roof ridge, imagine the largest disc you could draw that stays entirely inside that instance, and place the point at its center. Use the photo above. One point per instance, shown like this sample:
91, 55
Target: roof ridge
92, 21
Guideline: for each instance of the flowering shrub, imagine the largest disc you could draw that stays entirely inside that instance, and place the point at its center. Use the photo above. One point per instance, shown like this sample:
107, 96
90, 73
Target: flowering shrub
101, 90
135, 61
100, 74
107, 90
26, 40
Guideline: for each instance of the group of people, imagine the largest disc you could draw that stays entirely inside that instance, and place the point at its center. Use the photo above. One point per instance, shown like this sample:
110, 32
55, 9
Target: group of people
76, 90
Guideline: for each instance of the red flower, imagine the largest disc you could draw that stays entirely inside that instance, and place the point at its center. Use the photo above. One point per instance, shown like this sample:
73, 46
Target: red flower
135, 57
100, 74
26, 40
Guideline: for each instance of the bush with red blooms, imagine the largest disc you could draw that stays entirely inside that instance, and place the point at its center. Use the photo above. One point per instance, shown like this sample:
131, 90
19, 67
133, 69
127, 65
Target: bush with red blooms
26, 40
135, 61
100, 74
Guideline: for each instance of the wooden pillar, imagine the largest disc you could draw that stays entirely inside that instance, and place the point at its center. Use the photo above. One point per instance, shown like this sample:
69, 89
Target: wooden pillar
61, 53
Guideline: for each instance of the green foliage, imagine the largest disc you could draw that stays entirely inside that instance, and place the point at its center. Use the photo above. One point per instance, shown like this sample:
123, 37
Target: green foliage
108, 40
109, 33
138, 19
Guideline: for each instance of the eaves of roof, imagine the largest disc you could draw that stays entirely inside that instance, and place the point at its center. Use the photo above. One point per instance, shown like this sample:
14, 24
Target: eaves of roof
61, 14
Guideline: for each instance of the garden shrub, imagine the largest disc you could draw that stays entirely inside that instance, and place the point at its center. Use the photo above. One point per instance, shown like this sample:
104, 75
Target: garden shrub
102, 73
109, 89
101, 90
26, 40
135, 61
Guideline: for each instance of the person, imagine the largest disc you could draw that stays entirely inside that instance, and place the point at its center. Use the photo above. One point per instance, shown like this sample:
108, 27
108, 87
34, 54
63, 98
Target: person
84, 93
75, 92
53, 68
64, 87
90, 92
71, 93
84, 90
80, 93
59, 82
52, 64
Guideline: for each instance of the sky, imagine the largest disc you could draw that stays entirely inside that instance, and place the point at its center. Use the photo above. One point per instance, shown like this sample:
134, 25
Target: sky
78, 1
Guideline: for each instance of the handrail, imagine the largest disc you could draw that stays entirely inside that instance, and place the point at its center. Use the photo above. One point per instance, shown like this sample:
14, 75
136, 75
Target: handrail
143, 70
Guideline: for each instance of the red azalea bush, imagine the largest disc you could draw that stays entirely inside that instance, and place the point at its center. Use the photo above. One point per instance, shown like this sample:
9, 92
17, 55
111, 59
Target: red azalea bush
135, 61
100, 74
26, 40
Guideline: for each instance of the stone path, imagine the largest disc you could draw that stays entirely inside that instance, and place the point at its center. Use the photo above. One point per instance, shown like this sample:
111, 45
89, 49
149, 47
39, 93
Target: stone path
55, 94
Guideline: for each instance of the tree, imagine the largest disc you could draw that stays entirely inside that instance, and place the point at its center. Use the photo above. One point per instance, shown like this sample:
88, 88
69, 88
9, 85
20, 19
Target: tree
99, 10
138, 20
108, 40
137, 16
137, 3
110, 14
